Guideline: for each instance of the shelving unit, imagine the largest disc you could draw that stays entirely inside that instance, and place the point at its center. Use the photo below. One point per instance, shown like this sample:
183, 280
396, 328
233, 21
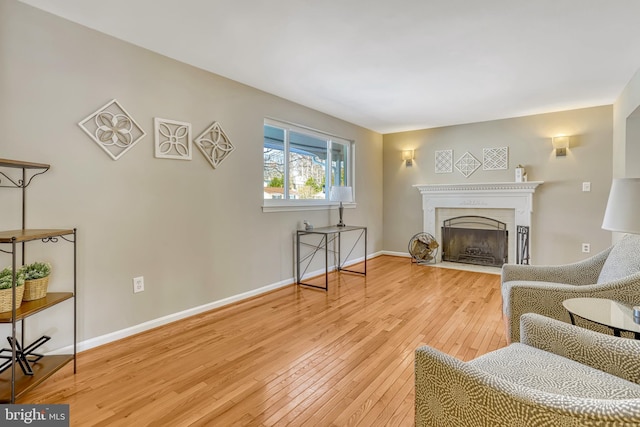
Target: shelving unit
13, 381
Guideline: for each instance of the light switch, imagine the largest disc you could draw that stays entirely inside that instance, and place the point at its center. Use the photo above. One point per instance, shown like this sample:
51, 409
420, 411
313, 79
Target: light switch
586, 186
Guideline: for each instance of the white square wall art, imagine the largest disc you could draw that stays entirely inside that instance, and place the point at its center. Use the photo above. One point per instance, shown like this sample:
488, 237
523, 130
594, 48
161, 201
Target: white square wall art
495, 158
467, 164
214, 144
444, 161
173, 139
113, 129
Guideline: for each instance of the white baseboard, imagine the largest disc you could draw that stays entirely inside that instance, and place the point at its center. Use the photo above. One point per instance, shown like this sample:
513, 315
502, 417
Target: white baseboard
145, 326
374, 255
346, 264
401, 254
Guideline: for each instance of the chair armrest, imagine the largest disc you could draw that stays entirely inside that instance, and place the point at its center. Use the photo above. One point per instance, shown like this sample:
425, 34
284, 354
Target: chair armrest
578, 273
546, 298
614, 355
449, 392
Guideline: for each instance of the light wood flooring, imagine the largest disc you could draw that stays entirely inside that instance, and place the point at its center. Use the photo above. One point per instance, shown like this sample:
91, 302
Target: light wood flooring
296, 356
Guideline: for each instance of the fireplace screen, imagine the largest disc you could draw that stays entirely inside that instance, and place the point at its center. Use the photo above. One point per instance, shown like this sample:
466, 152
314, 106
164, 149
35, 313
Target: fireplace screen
475, 240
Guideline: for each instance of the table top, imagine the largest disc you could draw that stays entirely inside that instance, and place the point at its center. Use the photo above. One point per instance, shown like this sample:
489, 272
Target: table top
333, 229
604, 311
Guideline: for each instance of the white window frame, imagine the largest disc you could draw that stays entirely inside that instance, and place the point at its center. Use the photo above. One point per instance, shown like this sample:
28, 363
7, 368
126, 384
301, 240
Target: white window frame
283, 205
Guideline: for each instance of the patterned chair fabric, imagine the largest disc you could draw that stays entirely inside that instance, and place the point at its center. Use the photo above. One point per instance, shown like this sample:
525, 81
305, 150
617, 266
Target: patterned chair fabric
613, 273
558, 375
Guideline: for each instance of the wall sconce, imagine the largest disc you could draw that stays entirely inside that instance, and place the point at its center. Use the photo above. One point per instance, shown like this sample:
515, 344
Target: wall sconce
407, 156
560, 143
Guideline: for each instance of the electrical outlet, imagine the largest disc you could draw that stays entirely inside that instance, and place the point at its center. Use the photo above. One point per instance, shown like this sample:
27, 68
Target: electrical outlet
586, 248
586, 186
138, 284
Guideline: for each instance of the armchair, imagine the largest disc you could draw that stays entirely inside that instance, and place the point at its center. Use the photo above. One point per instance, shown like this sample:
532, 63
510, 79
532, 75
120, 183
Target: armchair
558, 375
613, 273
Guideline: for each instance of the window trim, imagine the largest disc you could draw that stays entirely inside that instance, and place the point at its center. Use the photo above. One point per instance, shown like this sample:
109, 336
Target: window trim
287, 205
270, 206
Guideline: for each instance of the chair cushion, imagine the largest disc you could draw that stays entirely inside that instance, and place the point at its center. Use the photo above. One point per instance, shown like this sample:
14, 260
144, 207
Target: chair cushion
537, 369
623, 260
546, 304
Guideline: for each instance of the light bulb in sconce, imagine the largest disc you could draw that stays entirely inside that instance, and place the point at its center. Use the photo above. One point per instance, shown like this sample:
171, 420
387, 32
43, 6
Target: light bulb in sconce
407, 156
560, 143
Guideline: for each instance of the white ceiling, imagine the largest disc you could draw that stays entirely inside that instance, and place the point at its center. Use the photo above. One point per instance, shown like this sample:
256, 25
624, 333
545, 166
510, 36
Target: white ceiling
392, 65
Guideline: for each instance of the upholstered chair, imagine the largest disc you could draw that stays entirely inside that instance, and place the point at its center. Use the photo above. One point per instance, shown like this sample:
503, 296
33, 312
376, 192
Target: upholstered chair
558, 375
613, 274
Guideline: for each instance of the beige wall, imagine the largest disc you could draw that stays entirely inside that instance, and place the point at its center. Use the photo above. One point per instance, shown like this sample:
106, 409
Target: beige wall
196, 234
626, 131
564, 216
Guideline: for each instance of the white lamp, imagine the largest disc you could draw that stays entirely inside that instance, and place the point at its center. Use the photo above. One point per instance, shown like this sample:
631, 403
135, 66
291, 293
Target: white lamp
341, 194
623, 208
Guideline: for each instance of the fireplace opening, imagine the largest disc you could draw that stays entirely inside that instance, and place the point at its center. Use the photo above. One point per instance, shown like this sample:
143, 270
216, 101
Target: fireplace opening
475, 240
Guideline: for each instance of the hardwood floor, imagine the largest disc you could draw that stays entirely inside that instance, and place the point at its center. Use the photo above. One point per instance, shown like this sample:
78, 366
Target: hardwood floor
296, 356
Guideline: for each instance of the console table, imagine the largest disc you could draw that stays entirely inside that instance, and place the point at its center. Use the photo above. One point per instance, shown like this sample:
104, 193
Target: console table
613, 314
328, 235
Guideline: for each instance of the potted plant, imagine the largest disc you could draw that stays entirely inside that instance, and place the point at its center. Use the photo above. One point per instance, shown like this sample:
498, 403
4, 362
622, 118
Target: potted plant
36, 276
6, 283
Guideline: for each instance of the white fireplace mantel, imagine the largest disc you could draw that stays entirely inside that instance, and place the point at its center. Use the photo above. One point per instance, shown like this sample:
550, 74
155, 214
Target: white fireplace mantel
492, 195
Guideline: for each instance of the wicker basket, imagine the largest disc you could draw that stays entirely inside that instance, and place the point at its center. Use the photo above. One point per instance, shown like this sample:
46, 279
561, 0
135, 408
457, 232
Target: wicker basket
35, 289
5, 298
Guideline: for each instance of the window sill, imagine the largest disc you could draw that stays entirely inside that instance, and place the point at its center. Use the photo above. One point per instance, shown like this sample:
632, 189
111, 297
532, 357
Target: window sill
301, 205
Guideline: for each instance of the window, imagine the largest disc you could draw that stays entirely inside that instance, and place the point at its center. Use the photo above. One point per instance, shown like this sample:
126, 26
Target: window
300, 165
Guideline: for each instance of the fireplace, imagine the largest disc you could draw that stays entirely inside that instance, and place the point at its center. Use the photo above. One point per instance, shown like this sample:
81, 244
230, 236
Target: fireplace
508, 202
476, 240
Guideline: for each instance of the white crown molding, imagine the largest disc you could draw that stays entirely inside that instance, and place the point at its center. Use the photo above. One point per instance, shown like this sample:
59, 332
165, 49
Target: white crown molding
529, 186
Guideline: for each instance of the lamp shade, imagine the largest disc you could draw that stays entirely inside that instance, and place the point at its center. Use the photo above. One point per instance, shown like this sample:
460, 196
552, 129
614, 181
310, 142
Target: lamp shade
623, 208
560, 141
341, 194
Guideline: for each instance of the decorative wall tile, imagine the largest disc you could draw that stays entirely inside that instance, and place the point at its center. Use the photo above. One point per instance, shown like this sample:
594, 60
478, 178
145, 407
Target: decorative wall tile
467, 164
495, 158
113, 129
173, 139
214, 144
444, 161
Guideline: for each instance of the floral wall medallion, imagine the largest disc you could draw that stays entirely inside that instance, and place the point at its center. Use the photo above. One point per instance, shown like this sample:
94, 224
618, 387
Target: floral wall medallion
467, 164
173, 139
214, 144
113, 129
444, 161
495, 158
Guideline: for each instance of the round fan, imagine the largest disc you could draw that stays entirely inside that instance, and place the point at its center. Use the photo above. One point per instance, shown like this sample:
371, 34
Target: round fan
423, 248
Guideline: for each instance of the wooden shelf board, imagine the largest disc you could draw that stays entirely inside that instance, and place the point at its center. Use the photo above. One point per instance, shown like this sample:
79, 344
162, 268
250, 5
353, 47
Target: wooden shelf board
42, 370
31, 234
29, 308
20, 164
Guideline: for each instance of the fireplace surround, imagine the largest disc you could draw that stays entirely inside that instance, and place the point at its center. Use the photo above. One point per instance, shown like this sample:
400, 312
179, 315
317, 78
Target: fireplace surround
512, 203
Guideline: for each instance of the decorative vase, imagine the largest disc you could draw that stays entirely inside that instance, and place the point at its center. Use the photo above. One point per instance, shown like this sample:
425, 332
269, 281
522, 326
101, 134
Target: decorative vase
35, 288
